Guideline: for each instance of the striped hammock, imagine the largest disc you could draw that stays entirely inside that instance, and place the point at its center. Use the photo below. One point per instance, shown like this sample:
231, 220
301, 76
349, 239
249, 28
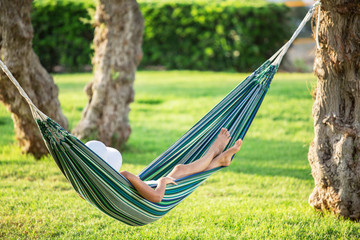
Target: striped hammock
107, 190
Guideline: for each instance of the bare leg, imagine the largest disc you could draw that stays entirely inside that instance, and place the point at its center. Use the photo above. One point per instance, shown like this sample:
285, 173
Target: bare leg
156, 195
201, 164
224, 159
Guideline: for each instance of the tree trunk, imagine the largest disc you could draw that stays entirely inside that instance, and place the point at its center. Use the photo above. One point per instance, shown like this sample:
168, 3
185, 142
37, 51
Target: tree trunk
334, 155
16, 52
117, 42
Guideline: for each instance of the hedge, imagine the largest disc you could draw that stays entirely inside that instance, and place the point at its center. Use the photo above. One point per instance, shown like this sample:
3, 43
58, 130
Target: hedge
206, 35
63, 34
215, 36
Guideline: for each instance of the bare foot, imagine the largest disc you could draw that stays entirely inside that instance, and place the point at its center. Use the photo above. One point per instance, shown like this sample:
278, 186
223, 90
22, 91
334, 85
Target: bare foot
221, 141
224, 159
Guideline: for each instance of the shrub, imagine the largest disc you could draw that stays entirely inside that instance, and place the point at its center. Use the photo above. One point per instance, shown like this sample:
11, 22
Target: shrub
201, 35
62, 33
212, 36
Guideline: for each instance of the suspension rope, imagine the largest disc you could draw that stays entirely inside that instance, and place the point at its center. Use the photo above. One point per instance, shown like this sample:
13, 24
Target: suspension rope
35, 111
318, 4
277, 57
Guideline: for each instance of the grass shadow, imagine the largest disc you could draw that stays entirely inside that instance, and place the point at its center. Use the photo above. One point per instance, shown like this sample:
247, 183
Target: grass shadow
272, 158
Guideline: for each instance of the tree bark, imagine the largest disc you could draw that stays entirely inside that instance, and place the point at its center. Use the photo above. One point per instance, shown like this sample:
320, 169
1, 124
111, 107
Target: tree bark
117, 42
334, 155
16, 52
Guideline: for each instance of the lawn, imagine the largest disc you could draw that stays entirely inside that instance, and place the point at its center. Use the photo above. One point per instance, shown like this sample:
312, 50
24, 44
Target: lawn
262, 195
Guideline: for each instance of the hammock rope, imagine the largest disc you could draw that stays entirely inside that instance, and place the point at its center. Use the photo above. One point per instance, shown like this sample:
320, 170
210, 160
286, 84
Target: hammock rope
106, 189
317, 4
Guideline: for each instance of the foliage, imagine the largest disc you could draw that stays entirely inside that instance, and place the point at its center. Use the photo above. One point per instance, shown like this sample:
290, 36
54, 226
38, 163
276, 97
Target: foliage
216, 36
62, 33
202, 35
261, 195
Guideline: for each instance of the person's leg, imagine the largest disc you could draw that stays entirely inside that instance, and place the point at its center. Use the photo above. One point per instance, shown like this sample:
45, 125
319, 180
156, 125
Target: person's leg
156, 195
224, 159
202, 163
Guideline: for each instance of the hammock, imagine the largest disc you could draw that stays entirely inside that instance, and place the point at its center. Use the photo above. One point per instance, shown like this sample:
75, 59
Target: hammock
106, 189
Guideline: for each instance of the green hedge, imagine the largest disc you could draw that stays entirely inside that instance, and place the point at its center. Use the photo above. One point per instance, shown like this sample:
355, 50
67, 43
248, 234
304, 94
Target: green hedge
229, 35
63, 34
212, 36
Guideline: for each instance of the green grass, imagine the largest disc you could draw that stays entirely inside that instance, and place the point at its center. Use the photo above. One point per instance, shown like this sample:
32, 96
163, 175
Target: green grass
262, 195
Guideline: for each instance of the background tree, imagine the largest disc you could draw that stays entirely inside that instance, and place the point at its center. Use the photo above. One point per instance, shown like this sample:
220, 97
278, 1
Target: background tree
16, 52
334, 155
117, 42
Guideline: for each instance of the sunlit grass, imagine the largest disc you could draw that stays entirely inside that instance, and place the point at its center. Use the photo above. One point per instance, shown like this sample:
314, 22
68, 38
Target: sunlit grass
262, 195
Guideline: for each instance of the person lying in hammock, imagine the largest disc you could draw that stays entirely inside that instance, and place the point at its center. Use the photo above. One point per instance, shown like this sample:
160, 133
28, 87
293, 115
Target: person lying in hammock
214, 158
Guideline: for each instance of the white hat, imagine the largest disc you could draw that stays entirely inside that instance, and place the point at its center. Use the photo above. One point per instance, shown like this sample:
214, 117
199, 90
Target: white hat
108, 154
